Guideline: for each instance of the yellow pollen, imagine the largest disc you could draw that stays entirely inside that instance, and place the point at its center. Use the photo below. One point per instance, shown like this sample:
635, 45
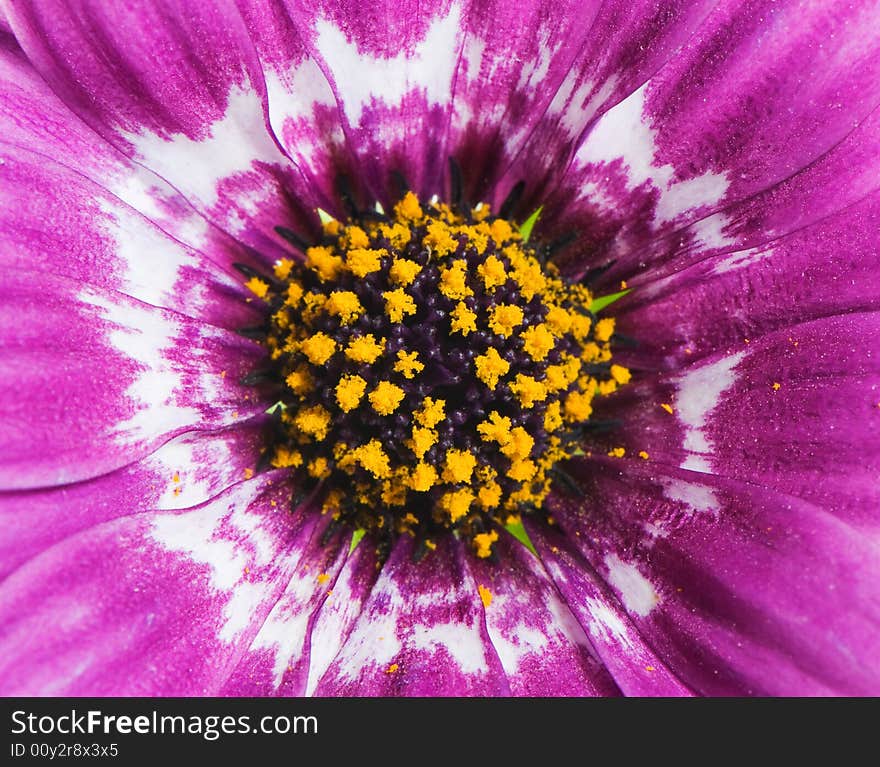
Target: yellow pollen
501, 231
349, 392
464, 321
439, 239
457, 503
392, 668
504, 318
667, 407
408, 209
519, 444
321, 260
257, 286
483, 543
496, 428
423, 477
323, 578
432, 412
398, 303
282, 268
403, 271
558, 320
644, 455
553, 416
528, 390
364, 261
365, 349
356, 237
294, 293
522, 471
453, 281
285, 457
319, 468
490, 367
493, 273
345, 305
604, 329
408, 364
423, 440
489, 495
578, 406
537, 342
460, 465
485, 595
314, 421
300, 380
617, 452
373, 458
777, 386
386, 398
620, 374
318, 348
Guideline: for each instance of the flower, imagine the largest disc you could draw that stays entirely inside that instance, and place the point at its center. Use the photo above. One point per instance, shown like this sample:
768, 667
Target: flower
716, 160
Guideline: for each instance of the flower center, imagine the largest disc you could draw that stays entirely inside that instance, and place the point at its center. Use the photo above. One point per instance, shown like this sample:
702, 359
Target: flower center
433, 371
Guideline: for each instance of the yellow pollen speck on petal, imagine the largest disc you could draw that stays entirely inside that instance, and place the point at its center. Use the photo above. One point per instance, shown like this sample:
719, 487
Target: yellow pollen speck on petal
464, 321
643, 454
392, 668
300, 380
349, 392
490, 367
373, 458
617, 452
397, 304
604, 329
408, 364
777, 386
403, 271
408, 209
432, 412
423, 477
493, 273
318, 348
386, 398
345, 305
314, 421
620, 374
537, 342
320, 259
257, 286
457, 503
365, 349
459, 466
667, 407
483, 543
248, 473
364, 261
528, 391
485, 595
453, 281
504, 318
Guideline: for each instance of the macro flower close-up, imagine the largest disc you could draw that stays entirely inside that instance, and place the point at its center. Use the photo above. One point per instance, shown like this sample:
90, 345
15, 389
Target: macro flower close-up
439, 348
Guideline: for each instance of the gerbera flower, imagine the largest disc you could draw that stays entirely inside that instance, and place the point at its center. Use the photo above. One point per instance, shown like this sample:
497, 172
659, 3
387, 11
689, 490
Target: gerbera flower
439, 348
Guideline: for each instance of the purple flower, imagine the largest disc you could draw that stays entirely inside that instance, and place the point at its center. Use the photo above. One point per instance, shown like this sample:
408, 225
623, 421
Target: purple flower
720, 159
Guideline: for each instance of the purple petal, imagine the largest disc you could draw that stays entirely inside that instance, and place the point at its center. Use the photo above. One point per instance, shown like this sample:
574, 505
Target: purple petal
542, 647
118, 376
186, 471
739, 589
151, 604
277, 660
421, 633
177, 87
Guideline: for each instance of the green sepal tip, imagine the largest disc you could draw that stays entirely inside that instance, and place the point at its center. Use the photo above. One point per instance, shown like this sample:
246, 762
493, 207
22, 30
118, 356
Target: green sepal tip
278, 405
518, 531
356, 538
525, 230
598, 304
